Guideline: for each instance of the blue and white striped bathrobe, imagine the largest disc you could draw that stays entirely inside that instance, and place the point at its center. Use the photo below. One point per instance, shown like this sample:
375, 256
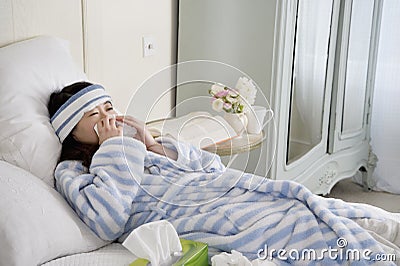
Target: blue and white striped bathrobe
206, 202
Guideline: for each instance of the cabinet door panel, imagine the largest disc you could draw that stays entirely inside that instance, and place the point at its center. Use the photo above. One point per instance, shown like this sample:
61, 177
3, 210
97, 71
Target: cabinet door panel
357, 66
307, 90
353, 84
309, 77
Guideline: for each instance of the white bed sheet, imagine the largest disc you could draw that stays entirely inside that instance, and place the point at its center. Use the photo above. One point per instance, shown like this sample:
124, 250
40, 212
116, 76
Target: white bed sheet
387, 233
111, 255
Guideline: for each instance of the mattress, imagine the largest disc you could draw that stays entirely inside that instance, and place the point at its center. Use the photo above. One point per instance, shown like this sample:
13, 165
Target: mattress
111, 255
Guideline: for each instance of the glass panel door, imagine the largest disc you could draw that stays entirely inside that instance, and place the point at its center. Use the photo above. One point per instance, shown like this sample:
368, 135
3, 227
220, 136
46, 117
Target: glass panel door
357, 66
355, 73
313, 29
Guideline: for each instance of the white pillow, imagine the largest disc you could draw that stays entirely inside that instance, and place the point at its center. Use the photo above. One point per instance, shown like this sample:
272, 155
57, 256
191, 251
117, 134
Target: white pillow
36, 223
29, 72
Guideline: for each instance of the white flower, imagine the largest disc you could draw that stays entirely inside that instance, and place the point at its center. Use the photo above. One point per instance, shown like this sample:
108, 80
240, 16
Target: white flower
233, 100
247, 90
217, 88
218, 105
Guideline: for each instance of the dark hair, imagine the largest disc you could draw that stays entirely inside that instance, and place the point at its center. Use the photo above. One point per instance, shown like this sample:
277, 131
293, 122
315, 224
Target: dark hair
71, 149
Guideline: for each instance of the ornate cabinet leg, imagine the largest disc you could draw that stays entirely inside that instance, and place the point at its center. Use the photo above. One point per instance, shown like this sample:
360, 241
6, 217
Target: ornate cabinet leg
367, 173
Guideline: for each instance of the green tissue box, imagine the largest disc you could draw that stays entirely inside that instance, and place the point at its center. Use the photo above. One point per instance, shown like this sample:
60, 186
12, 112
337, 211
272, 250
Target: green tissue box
193, 254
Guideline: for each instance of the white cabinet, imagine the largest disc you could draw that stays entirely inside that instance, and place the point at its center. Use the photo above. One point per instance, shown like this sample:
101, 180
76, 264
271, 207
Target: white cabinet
314, 61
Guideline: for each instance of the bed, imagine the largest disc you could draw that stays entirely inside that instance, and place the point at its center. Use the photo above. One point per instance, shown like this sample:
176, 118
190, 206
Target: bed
37, 226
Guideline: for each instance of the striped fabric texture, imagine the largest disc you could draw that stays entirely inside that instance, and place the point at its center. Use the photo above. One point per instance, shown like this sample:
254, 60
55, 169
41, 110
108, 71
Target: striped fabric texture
127, 186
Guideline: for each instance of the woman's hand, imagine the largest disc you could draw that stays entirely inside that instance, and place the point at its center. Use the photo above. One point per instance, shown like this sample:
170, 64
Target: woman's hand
107, 128
142, 134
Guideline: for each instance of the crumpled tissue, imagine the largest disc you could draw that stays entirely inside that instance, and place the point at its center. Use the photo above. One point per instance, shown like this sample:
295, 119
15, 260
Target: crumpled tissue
236, 258
158, 242
225, 259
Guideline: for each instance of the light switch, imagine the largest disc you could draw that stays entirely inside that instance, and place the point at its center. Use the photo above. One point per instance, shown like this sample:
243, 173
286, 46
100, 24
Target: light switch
149, 47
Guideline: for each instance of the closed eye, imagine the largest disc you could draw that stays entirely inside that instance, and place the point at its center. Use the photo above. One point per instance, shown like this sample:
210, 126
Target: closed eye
95, 113
108, 106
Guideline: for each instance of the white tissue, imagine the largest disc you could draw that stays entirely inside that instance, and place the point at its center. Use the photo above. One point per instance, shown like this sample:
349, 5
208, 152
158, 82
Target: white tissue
157, 242
236, 258
96, 130
226, 259
128, 131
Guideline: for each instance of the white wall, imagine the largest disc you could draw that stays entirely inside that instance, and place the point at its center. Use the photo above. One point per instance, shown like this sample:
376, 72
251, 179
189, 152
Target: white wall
385, 126
113, 37
233, 32
20, 20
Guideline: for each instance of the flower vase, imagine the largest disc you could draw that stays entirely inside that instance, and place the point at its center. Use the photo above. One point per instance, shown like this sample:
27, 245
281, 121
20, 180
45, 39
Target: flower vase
237, 121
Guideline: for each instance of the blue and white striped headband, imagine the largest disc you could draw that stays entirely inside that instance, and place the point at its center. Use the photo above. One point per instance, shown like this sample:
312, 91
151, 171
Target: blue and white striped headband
71, 112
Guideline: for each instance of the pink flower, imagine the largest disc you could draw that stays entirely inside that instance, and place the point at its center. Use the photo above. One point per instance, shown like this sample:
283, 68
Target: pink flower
221, 94
227, 105
233, 100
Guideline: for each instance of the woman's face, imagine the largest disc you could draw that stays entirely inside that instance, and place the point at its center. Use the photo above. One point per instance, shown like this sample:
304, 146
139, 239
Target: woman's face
84, 130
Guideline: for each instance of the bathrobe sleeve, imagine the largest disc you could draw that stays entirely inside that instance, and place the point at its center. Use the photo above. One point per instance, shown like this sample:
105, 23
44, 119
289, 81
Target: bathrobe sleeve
103, 197
192, 159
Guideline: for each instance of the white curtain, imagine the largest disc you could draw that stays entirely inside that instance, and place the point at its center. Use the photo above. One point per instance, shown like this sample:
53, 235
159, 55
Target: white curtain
312, 40
385, 125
